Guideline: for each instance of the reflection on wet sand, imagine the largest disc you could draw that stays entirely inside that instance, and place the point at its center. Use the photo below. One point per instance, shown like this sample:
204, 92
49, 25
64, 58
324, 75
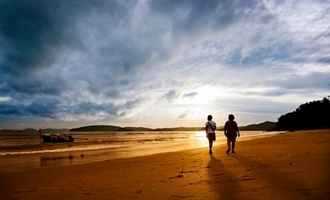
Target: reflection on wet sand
56, 160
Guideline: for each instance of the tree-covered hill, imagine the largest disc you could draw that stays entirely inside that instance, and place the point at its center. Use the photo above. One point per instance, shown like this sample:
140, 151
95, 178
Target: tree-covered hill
311, 115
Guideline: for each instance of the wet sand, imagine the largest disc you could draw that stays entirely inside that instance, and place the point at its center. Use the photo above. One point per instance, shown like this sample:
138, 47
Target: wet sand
286, 166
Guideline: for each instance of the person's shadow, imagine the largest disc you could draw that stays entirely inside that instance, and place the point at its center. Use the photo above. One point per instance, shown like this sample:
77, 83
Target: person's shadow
222, 182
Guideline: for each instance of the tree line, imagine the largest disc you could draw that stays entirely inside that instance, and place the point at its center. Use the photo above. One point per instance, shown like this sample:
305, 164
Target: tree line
310, 115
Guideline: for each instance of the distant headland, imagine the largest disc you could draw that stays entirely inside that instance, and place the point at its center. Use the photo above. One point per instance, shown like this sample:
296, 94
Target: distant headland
261, 126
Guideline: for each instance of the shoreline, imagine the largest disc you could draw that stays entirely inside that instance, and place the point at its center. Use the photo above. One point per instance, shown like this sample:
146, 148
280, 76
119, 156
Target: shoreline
286, 166
83, 153
11, 149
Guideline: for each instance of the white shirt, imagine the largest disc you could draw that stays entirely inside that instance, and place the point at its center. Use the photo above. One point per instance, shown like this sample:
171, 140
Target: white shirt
210, 126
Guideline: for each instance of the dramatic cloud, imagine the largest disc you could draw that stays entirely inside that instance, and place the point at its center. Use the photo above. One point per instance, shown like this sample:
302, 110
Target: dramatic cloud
110, 61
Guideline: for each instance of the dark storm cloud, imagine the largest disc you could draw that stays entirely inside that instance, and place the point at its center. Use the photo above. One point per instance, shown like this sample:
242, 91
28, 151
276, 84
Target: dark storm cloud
30, 86
90, 108
32, 33
43, 107
29, 30
108, 108
51, 108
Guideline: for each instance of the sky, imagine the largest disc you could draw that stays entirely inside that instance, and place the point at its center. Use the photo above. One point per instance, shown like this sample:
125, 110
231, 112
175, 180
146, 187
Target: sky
159, 63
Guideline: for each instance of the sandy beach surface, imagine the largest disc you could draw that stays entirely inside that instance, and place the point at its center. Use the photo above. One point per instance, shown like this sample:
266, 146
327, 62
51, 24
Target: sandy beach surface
285, 166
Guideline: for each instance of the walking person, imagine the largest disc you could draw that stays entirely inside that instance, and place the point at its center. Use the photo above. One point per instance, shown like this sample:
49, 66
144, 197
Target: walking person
210, 128
231, 131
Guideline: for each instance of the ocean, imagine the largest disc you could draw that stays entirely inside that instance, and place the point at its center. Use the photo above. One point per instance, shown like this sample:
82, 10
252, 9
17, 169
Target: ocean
25, 151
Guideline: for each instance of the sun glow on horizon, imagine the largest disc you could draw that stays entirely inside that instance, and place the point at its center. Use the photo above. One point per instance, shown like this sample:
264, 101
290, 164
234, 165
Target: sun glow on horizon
200, 138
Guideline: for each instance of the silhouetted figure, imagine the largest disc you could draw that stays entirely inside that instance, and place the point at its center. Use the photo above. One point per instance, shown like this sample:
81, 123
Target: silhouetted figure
231, 131
210, 127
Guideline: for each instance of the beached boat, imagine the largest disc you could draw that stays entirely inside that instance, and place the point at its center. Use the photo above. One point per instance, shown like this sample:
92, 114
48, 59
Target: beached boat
57, 138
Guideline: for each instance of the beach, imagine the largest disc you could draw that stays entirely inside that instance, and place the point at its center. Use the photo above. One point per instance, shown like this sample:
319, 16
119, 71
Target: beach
293, 165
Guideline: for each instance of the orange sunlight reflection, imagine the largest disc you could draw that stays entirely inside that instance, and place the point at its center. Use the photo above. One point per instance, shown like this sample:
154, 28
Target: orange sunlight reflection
201, 139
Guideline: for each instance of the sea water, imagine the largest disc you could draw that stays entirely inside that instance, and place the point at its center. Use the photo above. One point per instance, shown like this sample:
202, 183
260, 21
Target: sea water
25, 151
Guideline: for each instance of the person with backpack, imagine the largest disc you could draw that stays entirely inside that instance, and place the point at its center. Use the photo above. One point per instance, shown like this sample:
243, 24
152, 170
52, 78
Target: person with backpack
210, 128
231, 131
